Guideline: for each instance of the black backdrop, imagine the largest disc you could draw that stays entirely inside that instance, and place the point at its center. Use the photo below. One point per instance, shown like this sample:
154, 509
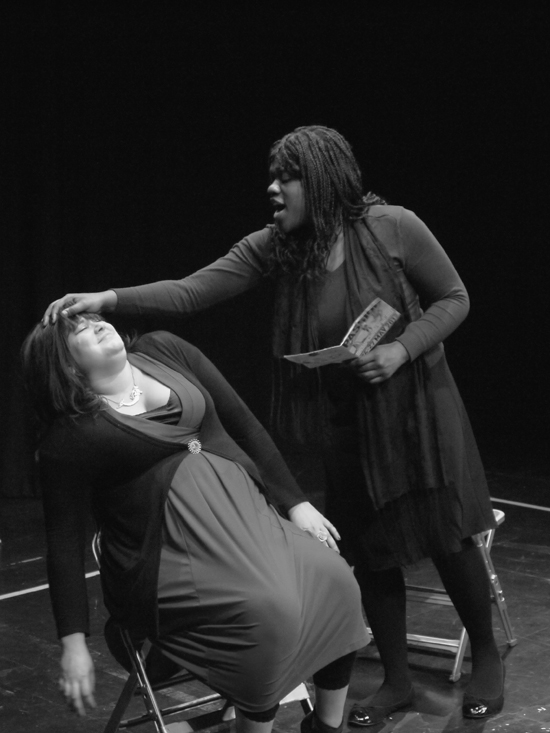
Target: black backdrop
134, 144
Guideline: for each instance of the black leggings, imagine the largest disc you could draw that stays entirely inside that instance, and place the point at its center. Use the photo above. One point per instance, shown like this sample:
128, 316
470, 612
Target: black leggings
333, 676
264, 717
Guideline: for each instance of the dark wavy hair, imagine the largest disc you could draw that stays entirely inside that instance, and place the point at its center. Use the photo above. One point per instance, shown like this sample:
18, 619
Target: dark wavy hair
324, 162
54, 381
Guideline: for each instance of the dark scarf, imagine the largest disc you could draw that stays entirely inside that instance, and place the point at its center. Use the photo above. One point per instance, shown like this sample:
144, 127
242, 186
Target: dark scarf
396, 419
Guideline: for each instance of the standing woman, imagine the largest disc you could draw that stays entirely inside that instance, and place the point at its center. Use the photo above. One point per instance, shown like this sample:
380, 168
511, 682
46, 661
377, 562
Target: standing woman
404, 477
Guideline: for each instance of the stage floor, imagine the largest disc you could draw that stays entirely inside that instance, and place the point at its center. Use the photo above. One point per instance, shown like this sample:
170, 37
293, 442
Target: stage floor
29, 652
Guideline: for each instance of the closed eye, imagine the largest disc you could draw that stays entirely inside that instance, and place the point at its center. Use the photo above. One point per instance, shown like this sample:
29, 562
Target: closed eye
281, 176
82, 326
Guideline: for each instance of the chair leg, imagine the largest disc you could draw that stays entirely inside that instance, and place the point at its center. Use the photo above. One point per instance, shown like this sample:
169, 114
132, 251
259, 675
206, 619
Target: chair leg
484, 545
484, 542
138, 681
122, 703
144, 685
228, 711
459, 656
299, 694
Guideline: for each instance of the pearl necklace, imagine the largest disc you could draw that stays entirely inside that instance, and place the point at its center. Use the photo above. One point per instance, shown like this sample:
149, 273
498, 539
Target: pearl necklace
134, 396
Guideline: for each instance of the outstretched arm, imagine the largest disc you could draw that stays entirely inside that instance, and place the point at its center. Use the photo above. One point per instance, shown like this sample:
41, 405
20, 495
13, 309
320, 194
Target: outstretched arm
241, 269
73, 303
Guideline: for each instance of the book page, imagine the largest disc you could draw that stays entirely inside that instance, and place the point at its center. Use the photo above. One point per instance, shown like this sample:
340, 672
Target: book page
363, 335
367, 330
331, 355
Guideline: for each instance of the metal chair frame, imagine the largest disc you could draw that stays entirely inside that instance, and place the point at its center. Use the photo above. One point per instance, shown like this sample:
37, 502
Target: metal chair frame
138, 683
457, 647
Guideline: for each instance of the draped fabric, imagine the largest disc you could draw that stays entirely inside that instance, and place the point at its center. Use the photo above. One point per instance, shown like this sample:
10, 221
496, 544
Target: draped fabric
400, 441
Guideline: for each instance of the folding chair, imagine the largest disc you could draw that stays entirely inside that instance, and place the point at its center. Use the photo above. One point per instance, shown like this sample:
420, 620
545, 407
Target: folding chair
142, 683
457, 647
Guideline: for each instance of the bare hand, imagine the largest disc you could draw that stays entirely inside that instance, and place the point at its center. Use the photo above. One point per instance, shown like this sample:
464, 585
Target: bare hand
380, 363
306, 516
77, 681
74, 303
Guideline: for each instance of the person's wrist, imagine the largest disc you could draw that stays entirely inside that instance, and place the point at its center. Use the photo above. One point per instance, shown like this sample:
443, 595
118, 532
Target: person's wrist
73, 641
293, 508
402, 352
110, 300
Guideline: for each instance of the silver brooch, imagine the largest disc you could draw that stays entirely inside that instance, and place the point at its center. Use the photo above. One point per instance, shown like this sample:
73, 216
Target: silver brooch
194, 446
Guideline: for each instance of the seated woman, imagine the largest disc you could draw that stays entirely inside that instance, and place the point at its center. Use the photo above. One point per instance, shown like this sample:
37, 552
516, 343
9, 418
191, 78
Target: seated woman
183, 482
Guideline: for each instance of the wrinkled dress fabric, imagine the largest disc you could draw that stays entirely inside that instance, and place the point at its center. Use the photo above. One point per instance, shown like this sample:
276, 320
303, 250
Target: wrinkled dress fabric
247, 601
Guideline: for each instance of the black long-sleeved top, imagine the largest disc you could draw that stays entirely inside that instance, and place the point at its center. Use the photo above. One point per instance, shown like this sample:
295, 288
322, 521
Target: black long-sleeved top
426, 271
123, 475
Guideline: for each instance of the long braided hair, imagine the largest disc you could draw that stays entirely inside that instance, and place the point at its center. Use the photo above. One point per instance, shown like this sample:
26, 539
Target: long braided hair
324, 162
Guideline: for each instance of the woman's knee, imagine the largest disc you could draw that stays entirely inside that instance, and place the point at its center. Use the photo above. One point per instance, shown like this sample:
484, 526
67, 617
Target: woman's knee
390, 580
277, 616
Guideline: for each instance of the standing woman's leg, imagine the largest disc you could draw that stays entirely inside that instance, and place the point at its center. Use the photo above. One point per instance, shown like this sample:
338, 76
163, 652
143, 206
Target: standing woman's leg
465, 579
384, 601
382, 592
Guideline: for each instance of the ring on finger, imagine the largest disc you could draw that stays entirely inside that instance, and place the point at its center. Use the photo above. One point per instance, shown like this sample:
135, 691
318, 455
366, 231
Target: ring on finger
322, 536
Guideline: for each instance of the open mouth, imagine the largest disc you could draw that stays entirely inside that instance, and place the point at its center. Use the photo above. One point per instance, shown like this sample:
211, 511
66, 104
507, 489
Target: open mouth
278, 206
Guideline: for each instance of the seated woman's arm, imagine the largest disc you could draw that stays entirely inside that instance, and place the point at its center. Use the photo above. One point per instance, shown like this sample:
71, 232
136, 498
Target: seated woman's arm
77, 681
247, 431
65, 508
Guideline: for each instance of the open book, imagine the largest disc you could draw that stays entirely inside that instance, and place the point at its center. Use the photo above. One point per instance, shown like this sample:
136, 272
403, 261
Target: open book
363, 335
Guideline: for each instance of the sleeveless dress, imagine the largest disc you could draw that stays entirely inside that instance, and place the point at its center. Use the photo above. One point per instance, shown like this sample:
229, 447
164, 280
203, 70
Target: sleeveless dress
247, 601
